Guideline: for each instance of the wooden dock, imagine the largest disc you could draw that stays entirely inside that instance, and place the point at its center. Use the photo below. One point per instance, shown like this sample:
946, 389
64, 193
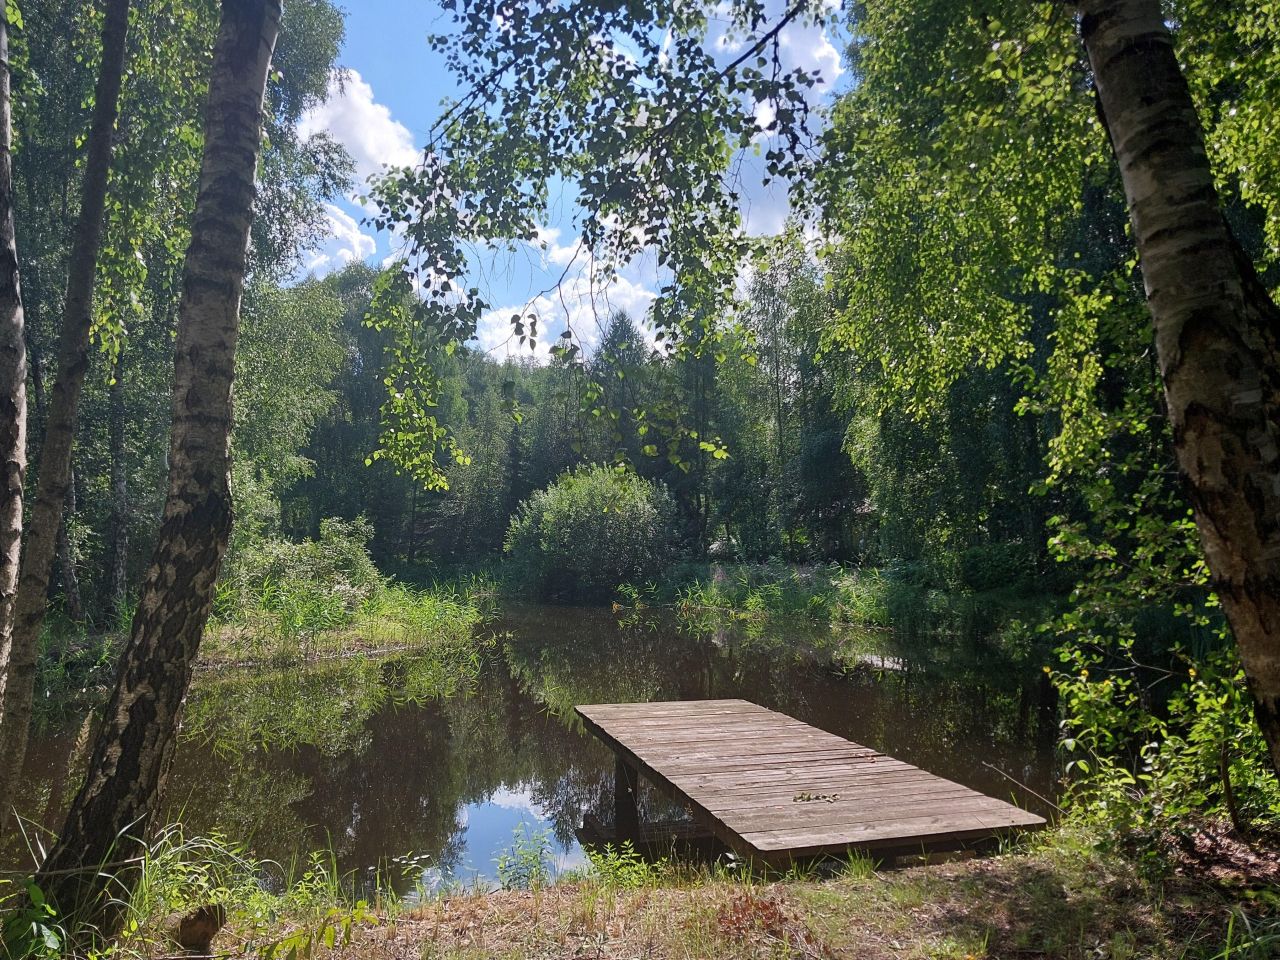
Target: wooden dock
774, 789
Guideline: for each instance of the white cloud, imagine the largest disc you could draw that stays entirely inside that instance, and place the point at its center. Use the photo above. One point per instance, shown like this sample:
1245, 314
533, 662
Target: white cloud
553, 254
581, 302
346, 243
365, 127
801, 45
809, 46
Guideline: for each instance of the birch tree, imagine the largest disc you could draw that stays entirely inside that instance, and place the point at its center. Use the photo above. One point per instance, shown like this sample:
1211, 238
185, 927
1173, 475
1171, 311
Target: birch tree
112, 813
54, 480
13, 380
1217, 329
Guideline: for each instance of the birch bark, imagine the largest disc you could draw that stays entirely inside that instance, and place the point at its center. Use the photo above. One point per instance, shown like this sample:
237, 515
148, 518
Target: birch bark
111, 815
1217, 330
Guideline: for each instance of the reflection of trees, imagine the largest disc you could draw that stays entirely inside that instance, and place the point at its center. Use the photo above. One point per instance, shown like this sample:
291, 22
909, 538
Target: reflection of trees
249, 799
400, 795
52, 768
353, 755
323, 706
374, 759
956, 704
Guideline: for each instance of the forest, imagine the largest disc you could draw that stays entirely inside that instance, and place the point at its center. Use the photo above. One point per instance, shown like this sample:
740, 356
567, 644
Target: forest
911, 369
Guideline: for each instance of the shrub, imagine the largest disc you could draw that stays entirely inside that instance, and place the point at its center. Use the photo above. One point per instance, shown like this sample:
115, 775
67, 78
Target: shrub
285, 602
320, 582
592, 530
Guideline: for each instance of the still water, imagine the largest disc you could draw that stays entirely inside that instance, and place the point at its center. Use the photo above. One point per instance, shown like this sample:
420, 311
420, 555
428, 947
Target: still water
382, 761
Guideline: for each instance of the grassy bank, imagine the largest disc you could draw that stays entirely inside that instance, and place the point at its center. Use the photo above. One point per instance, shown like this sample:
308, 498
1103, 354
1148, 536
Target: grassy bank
1057, 900
1056, 896
305, 622
299, 622
282, 602
864, 596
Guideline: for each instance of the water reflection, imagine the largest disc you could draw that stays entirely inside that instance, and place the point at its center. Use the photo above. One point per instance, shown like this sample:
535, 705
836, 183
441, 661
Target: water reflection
386, 758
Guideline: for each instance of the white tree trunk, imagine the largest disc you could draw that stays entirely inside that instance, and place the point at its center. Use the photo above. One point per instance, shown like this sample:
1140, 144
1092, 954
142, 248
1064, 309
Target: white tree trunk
1217, 329
13, 386
54, 479
111, 815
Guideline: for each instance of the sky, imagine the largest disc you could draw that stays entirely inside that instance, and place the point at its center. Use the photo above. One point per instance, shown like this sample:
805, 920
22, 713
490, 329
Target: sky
381, 113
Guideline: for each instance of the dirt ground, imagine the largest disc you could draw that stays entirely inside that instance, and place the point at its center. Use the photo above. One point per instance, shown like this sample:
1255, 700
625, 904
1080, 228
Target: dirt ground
1058, 901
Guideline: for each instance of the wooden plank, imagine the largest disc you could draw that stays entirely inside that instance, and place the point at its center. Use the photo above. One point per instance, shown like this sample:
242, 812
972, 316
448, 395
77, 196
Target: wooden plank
718, 734
737, 772
729, 716
840, 815
751, 800
853, 766
750, 754
754, 777
746, 746
925, 829
692, 763
738, 768
817, 772
641, 711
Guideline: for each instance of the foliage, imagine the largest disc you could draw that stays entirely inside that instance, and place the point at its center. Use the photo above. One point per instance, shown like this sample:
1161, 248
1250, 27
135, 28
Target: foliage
770, 589
271, 911
526, 864
336, 568
621, 867
283, 600
1155, 771
288, 351
631, 104
588, 532
122, 435
523, 424
980, 272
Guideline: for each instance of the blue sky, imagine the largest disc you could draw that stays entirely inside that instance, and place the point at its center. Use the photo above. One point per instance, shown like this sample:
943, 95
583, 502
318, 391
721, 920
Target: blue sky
382, 113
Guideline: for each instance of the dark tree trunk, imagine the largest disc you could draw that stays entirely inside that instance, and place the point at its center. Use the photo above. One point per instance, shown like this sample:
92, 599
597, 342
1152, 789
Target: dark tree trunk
117, 571
54, 477
111, 815
66, 559
13, 391
1217, 330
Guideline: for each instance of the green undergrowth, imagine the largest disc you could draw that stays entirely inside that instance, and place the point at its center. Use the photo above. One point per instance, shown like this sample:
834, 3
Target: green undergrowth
272, 909
855, 613
1062, 894
284, 602
280, 603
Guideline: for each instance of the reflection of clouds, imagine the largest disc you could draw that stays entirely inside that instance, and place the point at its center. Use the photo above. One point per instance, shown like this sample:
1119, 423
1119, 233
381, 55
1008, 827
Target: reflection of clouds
491, 828
574, 858
519, 799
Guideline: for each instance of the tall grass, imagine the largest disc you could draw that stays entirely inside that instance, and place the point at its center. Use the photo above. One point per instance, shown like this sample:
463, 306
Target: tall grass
284, 603
271, 910
861, 597
297, 622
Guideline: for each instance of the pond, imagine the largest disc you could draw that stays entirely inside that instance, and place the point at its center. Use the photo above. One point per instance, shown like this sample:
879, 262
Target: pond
391, 762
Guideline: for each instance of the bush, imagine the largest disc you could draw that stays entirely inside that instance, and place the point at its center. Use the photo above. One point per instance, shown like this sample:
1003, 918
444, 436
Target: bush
589, 532
285, 602
322, 582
